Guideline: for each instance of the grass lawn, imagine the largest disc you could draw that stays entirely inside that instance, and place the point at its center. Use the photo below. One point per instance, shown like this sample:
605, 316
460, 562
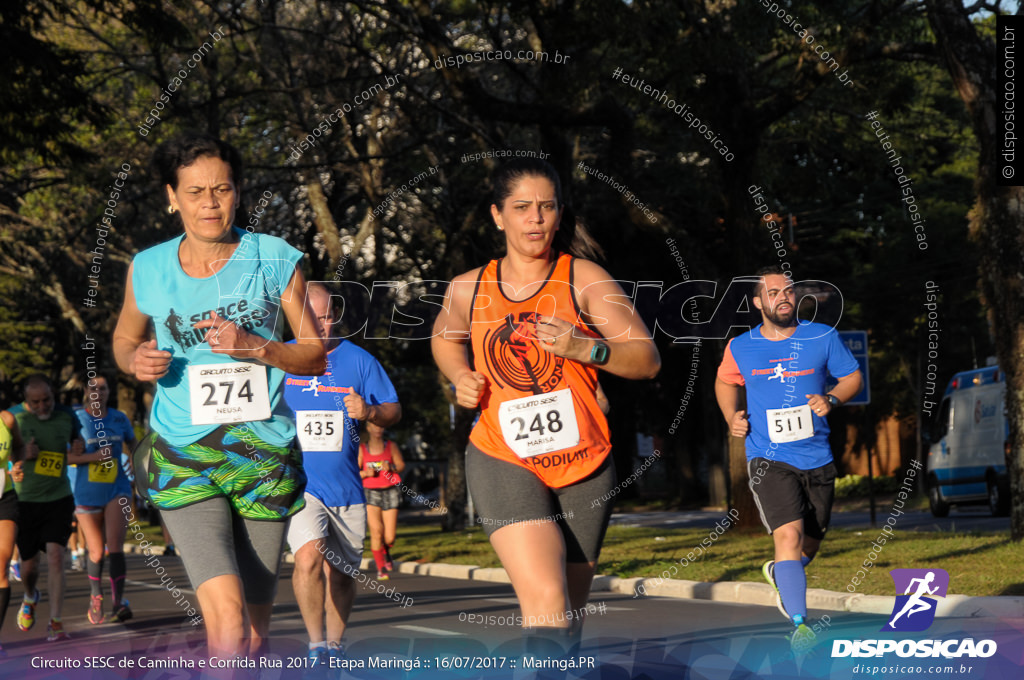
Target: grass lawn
978, 564
152, 532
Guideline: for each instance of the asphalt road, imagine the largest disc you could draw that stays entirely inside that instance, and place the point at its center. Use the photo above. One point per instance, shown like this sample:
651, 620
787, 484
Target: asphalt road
445, 630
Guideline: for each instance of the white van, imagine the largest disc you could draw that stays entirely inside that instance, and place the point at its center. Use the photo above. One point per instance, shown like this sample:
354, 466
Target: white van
967, 452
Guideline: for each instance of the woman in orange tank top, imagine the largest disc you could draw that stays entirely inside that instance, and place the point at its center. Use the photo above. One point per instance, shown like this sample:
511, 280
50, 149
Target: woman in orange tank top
540, 322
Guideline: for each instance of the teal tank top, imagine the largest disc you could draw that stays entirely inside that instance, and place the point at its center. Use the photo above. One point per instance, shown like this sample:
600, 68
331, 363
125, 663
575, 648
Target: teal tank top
246, 290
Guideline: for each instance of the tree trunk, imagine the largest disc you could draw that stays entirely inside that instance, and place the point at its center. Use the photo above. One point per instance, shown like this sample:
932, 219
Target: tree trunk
322, 217
995, 220
455, 496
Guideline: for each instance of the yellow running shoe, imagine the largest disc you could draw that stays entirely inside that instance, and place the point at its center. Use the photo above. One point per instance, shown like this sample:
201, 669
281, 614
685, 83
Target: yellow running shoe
27, 613
802, 640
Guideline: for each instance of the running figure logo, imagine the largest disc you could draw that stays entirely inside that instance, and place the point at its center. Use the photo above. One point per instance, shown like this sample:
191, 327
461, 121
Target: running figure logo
779, 371
514, 358
173, 323
915, 609
314, 386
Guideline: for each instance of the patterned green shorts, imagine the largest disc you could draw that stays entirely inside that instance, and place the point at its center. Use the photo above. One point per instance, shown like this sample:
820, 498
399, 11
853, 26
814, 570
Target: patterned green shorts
260, 480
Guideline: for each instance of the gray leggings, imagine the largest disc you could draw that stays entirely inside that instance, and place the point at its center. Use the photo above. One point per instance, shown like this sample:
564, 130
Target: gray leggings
214, 541
504, 494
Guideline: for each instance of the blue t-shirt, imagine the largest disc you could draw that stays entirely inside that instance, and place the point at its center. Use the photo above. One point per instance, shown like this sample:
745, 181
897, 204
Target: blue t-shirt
334, 474
246, 290
779, 374
90, 483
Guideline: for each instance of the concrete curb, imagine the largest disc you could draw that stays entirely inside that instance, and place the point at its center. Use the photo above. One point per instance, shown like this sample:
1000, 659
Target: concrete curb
743, 592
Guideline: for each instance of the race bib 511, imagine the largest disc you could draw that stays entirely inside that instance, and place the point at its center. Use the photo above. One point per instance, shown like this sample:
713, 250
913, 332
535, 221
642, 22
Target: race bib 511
790, 424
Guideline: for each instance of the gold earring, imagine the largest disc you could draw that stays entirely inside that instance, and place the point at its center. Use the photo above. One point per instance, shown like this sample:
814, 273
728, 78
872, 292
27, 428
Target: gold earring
500, 228
170, 210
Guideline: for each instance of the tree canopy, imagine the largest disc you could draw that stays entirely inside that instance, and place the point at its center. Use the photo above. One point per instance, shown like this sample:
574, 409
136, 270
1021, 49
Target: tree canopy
369, 128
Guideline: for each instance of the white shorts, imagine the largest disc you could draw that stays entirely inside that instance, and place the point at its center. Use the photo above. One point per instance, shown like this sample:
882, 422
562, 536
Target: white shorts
337, 531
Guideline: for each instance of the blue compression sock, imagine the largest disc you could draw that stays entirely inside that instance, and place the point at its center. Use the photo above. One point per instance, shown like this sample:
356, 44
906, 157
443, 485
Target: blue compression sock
792, 584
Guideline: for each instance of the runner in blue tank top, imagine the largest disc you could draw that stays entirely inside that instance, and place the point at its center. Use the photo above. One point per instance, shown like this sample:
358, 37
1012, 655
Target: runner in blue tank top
219, 464
102, 490
781, 367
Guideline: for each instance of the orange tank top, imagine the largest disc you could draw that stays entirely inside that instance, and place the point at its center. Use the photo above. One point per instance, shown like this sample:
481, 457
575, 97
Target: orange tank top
539, 411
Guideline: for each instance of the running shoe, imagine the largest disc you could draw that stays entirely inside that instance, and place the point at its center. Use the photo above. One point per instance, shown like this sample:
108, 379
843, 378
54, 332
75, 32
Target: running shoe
387, 560
121, 613
15, 570
383, 575
802, 640
76, 562
317, 664
317, 658
336, 660
768, 570
27, 613
96, 609
55, 631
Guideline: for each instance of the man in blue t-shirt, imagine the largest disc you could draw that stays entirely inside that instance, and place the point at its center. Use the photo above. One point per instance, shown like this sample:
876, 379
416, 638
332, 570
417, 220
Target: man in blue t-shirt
326, 536
780, 368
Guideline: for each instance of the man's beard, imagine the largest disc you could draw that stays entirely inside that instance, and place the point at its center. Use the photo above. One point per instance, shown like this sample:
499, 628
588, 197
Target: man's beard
783, 319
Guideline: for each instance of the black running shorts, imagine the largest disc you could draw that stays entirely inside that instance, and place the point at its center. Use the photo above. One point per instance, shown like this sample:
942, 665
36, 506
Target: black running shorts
784, 494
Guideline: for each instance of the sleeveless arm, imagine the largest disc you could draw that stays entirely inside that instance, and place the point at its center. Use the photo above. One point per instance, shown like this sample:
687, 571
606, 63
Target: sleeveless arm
632, 352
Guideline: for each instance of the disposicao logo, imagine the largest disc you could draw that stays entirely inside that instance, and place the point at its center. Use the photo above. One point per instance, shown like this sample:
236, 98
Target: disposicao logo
914, 610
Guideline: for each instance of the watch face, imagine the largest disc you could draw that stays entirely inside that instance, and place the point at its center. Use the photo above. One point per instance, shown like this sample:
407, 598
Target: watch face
599, 354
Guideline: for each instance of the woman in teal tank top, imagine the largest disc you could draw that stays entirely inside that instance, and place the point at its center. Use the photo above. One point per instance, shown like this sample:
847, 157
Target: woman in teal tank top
219, 463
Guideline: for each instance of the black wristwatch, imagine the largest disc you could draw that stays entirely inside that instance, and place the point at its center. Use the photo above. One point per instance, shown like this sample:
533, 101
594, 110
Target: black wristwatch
833, 400
599, 353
